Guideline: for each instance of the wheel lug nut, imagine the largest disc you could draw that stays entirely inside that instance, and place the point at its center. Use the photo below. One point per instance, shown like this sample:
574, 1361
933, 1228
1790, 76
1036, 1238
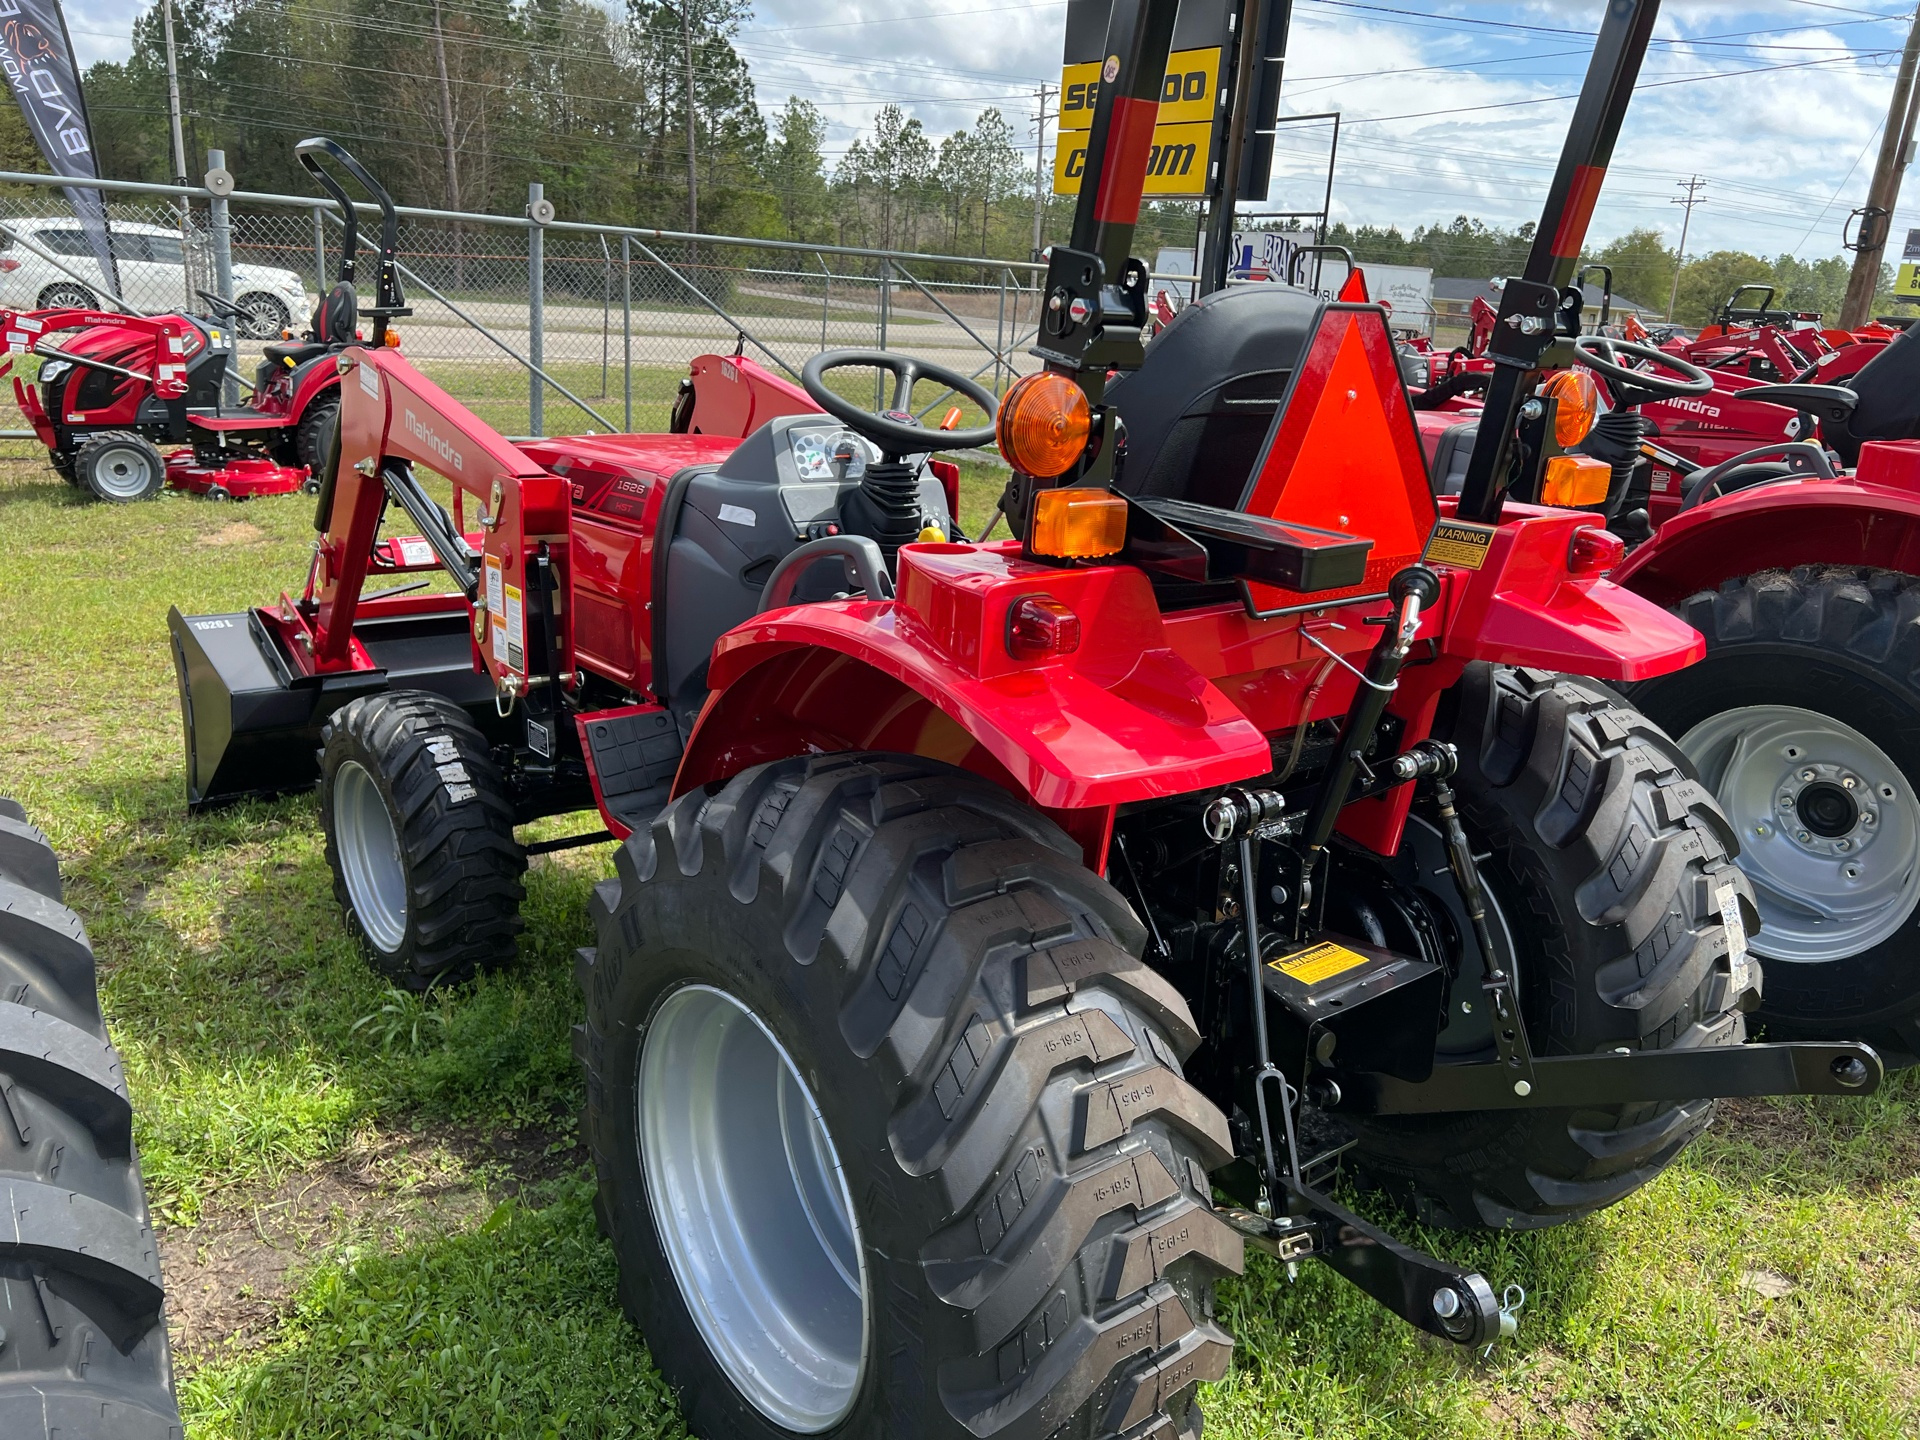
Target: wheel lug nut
1849, 782
1786, 802
1867, 817
1843, 845
1803, 837
1809, 775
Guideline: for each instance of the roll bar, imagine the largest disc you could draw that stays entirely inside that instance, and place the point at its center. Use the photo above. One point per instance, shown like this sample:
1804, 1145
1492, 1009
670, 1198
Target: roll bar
389, 299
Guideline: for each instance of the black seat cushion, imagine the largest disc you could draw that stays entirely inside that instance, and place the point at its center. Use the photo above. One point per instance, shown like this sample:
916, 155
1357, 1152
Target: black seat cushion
297, 351
1198, 410
337, 315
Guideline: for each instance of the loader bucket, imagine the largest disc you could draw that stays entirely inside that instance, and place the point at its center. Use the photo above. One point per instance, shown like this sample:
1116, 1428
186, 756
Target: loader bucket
252, 722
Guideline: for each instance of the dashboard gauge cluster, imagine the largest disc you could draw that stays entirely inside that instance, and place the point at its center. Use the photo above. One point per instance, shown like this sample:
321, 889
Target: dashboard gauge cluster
831, 453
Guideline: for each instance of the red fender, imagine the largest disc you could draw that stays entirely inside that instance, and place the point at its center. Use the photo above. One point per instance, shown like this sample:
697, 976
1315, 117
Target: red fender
1123, 717
1871, 517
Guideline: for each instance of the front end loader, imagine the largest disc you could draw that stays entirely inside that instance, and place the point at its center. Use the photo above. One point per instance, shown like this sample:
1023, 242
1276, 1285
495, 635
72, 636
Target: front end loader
1004, 935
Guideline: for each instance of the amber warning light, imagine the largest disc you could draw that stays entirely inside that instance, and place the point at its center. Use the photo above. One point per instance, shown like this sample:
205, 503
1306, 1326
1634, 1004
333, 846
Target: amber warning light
1043, 425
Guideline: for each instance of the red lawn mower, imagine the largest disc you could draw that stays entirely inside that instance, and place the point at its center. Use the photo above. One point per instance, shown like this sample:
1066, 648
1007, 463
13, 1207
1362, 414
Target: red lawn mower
978, 909
106, 399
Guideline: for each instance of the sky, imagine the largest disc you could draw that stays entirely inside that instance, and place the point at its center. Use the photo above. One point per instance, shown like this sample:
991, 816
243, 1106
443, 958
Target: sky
1446, 108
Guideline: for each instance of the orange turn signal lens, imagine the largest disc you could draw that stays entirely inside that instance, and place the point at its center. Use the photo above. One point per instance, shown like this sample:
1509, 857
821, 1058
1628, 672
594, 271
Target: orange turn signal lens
393, 339
1078, 523
1575, 480
1579, 405
1043, 425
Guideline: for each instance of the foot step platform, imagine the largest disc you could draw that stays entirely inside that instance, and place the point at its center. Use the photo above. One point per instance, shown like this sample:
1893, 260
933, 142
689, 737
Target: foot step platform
633, 754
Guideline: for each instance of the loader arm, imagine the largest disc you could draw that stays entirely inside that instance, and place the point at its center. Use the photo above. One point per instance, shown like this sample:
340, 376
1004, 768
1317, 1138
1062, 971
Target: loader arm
392, 418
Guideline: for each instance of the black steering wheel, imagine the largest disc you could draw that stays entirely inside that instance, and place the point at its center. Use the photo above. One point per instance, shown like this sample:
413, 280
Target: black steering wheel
896, 432
1602, 355
223, 307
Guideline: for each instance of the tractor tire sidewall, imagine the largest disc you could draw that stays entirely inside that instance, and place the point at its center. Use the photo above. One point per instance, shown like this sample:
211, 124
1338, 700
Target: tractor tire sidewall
733, 891
96, 450
315, 431
86, 1351
1583, 808
450, 810
1843, 642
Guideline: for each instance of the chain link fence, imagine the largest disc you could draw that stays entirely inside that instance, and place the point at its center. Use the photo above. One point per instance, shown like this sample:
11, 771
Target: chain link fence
541, 329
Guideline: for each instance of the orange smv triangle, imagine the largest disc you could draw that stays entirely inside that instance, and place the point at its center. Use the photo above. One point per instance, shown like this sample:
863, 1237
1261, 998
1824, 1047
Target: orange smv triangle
1344, 454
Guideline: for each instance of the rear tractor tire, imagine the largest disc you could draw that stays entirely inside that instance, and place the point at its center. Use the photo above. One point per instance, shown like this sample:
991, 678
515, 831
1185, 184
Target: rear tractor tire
1613, 884
119, 467
420, 838
1804, 720
889, 1122
85, 1350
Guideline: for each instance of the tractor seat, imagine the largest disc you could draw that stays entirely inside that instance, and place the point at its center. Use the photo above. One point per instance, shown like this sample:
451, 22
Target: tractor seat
337, 316
1198, 410
293, 352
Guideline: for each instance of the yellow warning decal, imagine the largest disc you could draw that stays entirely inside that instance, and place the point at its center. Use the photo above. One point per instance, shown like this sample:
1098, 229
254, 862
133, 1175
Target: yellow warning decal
1318, 962
1455, 542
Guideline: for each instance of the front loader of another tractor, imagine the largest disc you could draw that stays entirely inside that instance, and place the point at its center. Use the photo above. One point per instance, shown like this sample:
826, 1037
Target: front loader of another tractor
983, 913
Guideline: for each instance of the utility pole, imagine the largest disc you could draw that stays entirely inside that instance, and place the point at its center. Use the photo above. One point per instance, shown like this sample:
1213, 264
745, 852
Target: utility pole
446, 111
1877, 216
173, 95
1693, 186
693, 169
1040, 170
179, 143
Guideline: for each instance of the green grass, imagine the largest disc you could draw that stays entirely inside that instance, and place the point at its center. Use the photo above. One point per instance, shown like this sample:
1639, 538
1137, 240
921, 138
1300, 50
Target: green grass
1767, 1285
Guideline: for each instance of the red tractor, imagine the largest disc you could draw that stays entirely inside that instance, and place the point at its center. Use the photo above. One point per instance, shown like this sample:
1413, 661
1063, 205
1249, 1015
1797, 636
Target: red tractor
1782, 519
980, 911
105, 401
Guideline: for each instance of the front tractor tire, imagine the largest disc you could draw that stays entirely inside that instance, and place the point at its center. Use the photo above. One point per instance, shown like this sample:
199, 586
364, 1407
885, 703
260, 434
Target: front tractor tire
420, 838
1804, 720
119, 467
1609, 868
889, 1122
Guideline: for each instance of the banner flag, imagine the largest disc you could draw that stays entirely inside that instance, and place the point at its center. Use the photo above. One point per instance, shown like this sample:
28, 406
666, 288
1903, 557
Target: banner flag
37, 55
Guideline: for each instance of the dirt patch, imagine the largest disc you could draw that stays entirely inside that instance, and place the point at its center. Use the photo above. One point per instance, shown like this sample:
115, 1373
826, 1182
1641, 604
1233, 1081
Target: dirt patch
228, 1277
239, 532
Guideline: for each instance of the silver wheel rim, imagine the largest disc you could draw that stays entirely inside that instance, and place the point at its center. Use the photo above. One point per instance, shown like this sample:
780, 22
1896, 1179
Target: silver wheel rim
123, 472
752, 1209
369, 851
1829, 828
266, 317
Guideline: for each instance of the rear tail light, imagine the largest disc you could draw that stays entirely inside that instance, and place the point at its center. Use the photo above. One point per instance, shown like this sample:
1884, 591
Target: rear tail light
1078, 523
8, 263
1039, 627
1575, 480
1594, 551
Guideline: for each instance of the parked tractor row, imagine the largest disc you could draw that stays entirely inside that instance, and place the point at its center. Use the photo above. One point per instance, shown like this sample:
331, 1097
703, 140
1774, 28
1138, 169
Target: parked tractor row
1003, 935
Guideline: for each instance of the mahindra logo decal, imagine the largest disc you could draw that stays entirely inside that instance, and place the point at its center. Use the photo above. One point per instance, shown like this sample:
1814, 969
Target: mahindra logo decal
420, 431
